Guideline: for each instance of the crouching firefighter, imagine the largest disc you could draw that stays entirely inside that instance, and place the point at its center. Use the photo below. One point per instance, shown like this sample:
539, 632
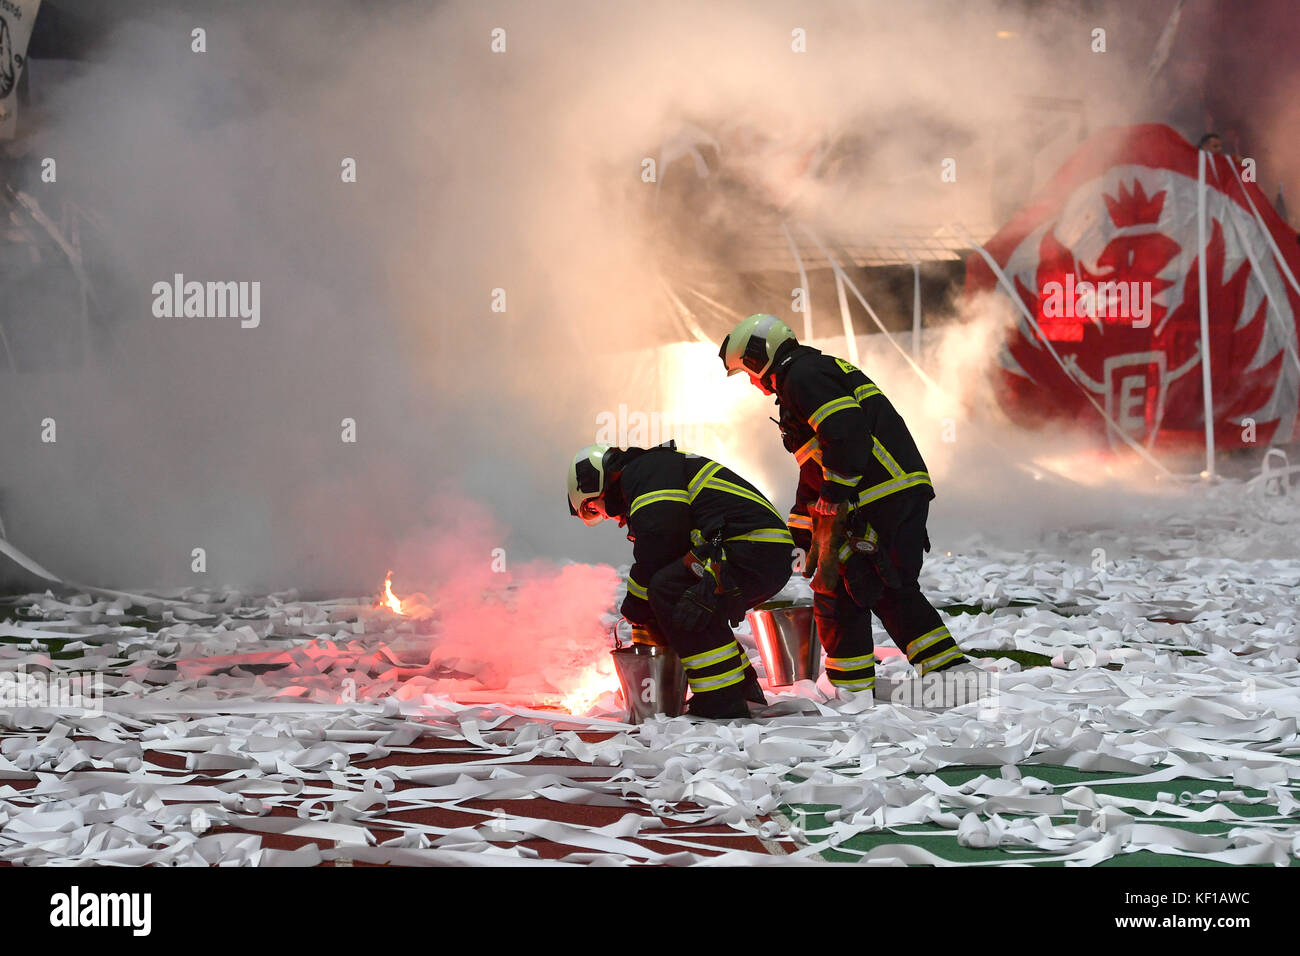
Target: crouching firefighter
707, 547
860, 507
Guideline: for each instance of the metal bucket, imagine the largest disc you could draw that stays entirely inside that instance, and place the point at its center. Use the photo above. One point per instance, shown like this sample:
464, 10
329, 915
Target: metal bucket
787, 643
653, 681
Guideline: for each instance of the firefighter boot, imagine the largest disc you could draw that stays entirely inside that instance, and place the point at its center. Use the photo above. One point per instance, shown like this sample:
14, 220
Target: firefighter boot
725, 703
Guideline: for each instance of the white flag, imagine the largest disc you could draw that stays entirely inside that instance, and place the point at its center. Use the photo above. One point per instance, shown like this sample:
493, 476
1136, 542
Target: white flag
16, 19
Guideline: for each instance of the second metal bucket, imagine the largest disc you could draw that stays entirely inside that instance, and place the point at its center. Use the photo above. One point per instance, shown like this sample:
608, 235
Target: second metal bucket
785, 638
653, 681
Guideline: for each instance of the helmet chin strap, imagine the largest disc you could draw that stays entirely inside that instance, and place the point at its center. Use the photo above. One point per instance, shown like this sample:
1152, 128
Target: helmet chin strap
784, 354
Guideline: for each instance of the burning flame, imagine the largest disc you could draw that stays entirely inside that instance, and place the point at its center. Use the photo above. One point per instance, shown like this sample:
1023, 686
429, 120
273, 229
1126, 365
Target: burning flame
593, 683
388, 599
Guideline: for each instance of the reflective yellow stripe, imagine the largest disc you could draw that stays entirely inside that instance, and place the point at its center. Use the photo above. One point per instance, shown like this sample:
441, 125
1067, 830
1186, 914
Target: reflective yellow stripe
846, 549
774, 535
721, 484
876, 492
706, 479
830, 408
928, 665
839, 479
865, 391
800, 521
851, 663
867, 684
654, 497
928, 639
696, 661
701, 479
637, 590
718, 681
885, 458
812, 448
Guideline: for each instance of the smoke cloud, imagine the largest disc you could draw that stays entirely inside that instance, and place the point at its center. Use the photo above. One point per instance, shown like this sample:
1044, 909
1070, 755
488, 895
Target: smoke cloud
483, 178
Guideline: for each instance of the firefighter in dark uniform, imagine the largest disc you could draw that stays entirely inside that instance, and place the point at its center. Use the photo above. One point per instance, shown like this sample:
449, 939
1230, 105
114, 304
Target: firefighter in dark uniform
860, 507
707, 547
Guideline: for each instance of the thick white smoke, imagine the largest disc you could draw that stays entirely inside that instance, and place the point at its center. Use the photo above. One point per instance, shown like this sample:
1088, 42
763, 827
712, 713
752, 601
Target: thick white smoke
477, 171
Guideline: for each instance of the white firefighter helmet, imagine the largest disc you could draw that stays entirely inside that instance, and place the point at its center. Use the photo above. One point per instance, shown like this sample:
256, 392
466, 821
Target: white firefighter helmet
587, 484
752, 345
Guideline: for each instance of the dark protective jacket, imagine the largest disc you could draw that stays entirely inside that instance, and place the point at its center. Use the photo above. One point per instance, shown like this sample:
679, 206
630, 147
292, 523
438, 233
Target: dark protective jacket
849, 441
663, 495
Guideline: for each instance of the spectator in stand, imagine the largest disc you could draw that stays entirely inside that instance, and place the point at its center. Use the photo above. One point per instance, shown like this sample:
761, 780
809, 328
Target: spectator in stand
1211, 143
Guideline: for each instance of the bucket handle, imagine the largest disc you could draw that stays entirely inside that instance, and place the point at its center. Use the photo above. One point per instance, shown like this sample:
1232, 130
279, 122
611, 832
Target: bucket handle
617, 638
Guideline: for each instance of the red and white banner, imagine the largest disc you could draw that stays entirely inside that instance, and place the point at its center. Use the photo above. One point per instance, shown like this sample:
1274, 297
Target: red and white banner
1106, 262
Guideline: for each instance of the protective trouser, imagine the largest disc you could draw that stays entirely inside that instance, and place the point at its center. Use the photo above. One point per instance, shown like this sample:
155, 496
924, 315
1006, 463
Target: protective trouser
715, 664
844, 616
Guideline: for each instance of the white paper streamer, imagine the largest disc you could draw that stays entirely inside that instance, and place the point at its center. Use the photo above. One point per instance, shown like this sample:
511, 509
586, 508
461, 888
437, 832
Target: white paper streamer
283, 719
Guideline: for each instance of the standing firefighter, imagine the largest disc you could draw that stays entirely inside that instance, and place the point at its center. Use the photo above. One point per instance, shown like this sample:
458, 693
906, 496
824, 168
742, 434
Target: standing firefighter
861, 505
707, 547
